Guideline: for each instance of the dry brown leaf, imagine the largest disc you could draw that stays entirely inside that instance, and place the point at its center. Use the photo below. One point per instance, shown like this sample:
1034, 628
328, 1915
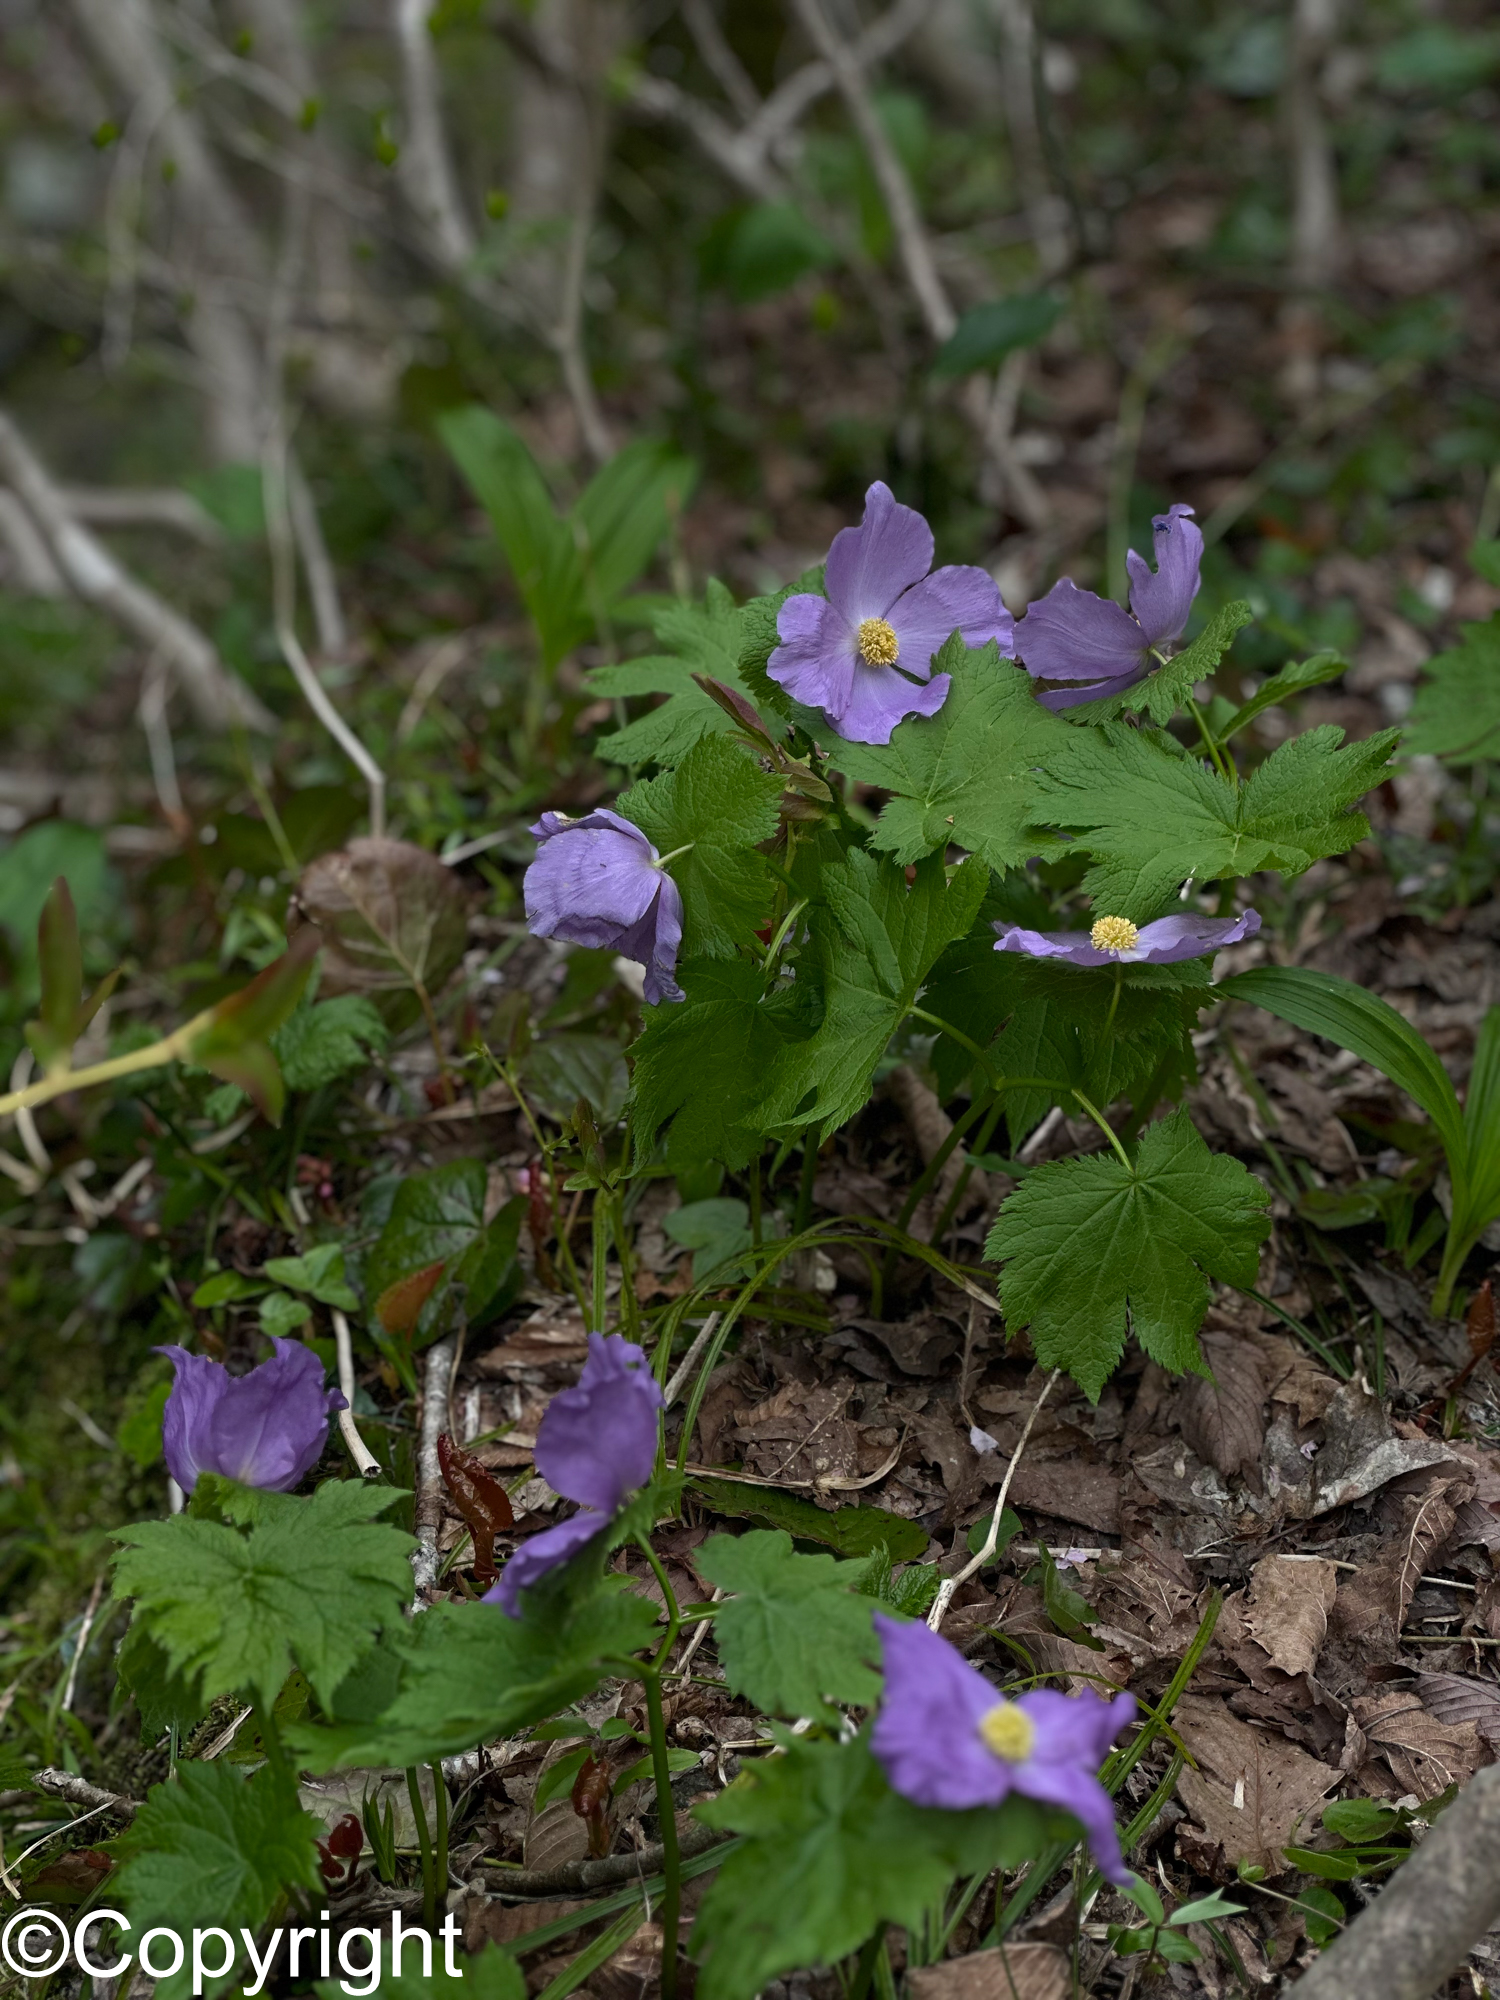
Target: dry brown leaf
1010, 1972
392, 919
1456, 1698
1286, 1610
1223, 1419
1371, 1607
1086, 1495
1425, 1755
1252, 1790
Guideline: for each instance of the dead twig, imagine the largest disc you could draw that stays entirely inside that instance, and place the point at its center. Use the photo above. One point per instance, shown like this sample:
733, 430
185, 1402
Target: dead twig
693, 1839
79, 1792
367, 1464
428, 1511
948, 1587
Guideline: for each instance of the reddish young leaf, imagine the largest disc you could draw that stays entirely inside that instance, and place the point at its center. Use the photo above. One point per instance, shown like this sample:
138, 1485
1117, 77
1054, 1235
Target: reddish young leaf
590, 1797
483, 1502
400, 1305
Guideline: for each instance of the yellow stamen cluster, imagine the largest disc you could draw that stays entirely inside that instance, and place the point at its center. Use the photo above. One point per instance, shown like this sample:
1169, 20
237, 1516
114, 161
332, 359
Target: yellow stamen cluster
1009, 1731
1114, 934
878, 644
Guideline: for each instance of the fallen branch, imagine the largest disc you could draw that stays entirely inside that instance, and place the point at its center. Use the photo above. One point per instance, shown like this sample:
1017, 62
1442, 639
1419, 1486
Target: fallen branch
574, 1875
79, 1792
428, 1512
218, 695
1419, 1930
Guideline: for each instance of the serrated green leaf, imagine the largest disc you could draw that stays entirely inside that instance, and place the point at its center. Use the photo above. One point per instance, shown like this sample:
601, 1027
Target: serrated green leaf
463, 1674
313, 1582
1293, 679
1089, 1247
1166, 690
214, 1848
831, 1853
1455, 713
1152, 818
162, 1698
969, 775
319, 1043
718, 804
701, 1064
698, 639
872, 948
760, 639
795, 1633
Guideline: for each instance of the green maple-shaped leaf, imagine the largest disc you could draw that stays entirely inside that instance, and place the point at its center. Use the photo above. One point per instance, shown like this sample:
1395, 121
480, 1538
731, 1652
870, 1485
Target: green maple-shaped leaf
1152, 816
718, 805
873, 945
831, 1852
1164, 691
1090, 1246
310, 1582
214, 1848
463, 1674
1456, 713
970, 774
794, 1634
695, 639
701, 1064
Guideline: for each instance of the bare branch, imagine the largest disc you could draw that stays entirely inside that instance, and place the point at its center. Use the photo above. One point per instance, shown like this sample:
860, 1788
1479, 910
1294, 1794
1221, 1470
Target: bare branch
425, 169
143, 507
218, 695
896, 190
739, 157
32, 568
713, 46
1045, 213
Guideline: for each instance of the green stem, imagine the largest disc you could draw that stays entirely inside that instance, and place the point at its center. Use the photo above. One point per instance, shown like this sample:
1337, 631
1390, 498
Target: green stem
756, 1232
669, 1598
662, 859
629, 1309
929, 1176
1107, 1129
424, 1847
1114, 1001
671, 1855
864, 1970
950, 1206
172, 1048
964, 1042
600, 1224
1216, 756
803, 1213
440, 1843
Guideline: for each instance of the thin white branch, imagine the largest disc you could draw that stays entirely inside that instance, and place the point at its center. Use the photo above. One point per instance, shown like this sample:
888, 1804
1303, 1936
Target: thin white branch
436, 1384
425, 169
366, 1463
895, 187
32, 568
713, 45
1046, 214
152, 709
143, 507
218, 695
317, 564
949, 1584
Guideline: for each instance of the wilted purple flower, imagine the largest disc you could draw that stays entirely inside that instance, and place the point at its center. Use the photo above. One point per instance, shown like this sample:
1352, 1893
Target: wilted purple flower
1117, 941
1072, 635
863, 654
266, 1429
946, 1737
595, 1444
598, 881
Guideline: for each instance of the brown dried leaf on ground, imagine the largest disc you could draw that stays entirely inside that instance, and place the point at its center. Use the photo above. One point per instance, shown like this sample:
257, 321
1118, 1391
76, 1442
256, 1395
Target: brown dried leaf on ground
1086, 1495
1361, 1452
1456, 1698
1285, 1613
800, 1436
1252, 1790
550, 1346
1223, 1417
1424, 1755
1010, 1972
1371, 1606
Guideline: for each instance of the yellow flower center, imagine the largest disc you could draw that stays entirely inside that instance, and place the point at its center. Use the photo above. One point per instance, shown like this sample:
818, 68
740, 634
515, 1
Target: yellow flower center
878, 644
1009, 1731
1114, 934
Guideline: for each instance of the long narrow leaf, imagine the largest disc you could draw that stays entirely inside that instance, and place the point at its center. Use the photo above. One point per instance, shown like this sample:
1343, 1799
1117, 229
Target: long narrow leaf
625, 510
1335, 1008
1482, 1125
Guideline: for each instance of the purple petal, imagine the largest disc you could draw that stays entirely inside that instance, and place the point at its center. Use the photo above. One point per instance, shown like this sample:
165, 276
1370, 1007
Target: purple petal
539, 1555
956, 599
598, 1439
1074, 1729
816, 658
869, 566
265, 1429
1080, 1793
1058, 699
1072, 635
591, 880
655, 940
925, 1736
1074, 946
1162, 602
1171, 939
880, 698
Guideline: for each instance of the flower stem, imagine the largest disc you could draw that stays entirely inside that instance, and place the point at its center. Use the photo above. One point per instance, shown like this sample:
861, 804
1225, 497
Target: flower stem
600, 1272
662, 859
671, 1856
1221, 764
1107, 1129
171, 1048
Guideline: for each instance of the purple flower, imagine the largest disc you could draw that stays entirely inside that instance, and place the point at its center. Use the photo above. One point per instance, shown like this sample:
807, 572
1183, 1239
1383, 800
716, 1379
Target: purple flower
596, 1443
266, 1429
863, 654
598, 881
946, 1737
1116, 940
1072, 635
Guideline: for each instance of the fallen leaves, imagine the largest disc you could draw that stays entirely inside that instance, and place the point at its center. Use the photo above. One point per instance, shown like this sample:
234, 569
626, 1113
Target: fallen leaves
1251, 1790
